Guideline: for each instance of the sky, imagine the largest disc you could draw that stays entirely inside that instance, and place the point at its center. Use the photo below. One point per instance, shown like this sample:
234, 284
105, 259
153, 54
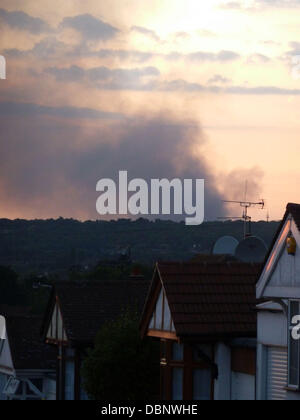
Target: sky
161, 88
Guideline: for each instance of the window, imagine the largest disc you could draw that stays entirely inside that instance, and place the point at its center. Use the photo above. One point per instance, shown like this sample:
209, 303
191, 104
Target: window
177, 352
293, 345
201, 385
69, 375
177, 384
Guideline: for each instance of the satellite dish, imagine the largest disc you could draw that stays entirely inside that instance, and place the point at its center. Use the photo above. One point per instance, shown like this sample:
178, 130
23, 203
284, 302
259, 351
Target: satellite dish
251, 250
226, 245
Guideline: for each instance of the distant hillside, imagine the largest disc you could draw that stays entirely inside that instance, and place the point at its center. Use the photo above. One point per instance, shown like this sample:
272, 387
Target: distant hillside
49, 245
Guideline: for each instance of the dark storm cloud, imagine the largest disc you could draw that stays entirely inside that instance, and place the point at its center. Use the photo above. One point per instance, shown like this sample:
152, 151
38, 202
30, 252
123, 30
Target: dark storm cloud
90, 27
48, 170
29, 110
22, 21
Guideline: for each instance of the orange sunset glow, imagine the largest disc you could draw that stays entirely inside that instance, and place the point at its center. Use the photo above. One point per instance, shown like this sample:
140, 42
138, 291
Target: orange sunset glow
159, 88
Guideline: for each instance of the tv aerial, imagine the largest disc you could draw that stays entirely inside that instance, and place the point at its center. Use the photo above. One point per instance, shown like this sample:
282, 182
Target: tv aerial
246, 205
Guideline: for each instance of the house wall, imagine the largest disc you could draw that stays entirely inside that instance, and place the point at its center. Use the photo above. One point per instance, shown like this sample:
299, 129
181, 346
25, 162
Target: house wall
222, 388
272, 328
286, 275
236, 373
242, 387
49, 388
272, 353
281, 275
192, 379
3, 380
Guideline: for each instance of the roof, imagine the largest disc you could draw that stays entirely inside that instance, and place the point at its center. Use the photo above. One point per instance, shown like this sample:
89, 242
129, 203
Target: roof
208, 300
85, 307
14, 310
212, 258
27, 348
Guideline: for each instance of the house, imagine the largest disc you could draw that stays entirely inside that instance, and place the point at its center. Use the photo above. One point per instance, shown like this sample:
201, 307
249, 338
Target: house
27, 365
75, 313
204, 316
278, 358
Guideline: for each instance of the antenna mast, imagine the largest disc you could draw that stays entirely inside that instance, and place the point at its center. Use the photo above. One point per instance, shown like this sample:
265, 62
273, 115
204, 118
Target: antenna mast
246, 205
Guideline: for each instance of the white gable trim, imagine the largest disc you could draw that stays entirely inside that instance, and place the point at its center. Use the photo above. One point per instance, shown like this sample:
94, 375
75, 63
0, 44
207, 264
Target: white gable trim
279, 247
56, 331
161, 321
263, 288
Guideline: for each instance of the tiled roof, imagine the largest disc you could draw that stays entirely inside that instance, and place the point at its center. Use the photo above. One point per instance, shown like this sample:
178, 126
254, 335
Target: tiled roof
26, 345
211, 300
13, 310
212, 258
86, 306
